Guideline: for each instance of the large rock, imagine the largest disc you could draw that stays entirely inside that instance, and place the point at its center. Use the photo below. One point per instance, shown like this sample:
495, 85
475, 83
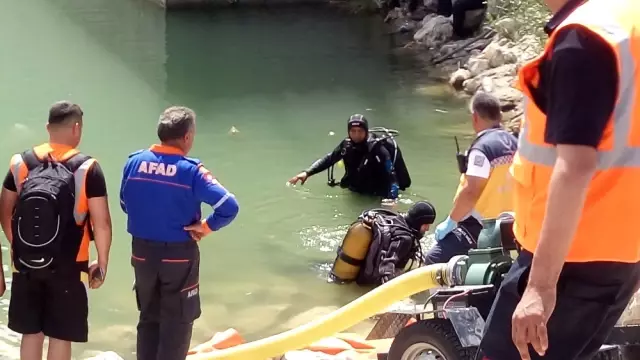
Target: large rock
471, 86
498, 55
527, 48
435, 32
486, 84
508, 96
504, 71
506, 27
458, 78
477, 65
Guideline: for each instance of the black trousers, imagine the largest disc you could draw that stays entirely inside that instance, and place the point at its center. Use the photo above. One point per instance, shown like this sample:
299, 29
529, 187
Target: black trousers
591, 297
167, 294
458, 242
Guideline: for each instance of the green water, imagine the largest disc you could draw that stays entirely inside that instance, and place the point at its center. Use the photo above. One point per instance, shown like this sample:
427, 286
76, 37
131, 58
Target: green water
285, 78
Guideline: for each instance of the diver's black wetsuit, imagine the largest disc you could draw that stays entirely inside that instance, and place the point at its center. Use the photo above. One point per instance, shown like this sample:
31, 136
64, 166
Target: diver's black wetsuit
468, 15
368, 168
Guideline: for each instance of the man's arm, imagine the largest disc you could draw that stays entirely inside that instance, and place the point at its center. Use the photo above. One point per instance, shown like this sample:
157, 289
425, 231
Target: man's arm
96, 190
8, 199
327, 161
391, 173
208, 190
476, 178
583, 84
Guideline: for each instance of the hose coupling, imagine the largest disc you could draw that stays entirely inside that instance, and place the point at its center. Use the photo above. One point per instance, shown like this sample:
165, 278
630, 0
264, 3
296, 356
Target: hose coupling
455, 271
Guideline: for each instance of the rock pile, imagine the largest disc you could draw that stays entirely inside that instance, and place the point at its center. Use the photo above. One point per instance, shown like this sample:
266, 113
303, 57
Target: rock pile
494, 70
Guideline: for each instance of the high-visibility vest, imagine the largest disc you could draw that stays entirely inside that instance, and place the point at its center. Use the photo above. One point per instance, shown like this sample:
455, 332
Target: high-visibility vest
607, 229
498, 146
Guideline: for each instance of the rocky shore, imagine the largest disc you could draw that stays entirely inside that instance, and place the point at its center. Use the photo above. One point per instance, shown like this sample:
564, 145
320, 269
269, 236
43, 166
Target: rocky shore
488, 62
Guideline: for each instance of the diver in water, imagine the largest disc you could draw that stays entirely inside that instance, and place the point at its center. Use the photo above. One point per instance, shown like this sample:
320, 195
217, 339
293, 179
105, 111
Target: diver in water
380, 244
373, 163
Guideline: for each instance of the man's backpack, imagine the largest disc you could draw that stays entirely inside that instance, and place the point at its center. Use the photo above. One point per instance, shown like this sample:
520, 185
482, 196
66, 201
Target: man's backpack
45, 234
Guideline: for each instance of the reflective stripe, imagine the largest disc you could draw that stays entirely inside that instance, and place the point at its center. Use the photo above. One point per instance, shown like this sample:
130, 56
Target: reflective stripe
80, 176
16, 164
622, 155
222, 200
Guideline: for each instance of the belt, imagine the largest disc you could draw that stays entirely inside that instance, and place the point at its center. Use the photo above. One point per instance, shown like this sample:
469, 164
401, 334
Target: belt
173, 244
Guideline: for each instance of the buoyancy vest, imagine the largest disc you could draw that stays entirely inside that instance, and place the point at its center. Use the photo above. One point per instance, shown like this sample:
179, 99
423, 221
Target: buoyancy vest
393, 245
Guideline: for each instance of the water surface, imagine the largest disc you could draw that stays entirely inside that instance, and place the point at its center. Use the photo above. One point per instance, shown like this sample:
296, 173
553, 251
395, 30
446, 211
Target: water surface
285, 78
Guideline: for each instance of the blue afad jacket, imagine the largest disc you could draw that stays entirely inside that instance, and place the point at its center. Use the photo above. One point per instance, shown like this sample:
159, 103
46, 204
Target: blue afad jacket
161, 193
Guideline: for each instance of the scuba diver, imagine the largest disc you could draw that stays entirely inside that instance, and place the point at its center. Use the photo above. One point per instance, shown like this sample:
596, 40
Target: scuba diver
379, 245
485, 190
373, 162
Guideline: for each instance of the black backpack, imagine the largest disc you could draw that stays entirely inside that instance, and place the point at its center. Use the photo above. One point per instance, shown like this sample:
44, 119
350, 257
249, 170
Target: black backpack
45, 234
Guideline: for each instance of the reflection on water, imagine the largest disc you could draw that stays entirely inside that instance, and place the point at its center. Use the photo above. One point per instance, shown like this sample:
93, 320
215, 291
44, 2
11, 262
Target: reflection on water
323, 239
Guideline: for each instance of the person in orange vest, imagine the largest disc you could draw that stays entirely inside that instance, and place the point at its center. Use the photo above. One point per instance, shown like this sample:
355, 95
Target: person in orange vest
53, 204
576, 176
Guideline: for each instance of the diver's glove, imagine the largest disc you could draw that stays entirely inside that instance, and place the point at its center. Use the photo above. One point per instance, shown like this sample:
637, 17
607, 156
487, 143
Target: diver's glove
445, 227
393, 194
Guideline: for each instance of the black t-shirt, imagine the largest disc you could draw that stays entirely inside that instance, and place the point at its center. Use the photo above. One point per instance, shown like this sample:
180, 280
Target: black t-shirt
96, 185
578, 85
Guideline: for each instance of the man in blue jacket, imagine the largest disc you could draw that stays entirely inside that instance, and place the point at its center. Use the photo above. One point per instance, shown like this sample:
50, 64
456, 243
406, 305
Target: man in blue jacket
161, 193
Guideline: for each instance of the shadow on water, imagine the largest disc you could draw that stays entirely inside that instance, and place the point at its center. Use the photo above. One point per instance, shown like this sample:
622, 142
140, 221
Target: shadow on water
253, 46
129, 29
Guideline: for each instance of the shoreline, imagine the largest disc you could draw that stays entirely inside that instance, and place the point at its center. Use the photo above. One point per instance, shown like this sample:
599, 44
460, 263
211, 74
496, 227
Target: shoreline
488, 61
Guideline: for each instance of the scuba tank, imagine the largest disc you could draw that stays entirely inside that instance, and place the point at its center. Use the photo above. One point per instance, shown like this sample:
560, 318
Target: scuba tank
353, 251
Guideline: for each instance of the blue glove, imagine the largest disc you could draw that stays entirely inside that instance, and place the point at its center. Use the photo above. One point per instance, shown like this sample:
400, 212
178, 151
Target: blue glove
444, 228
394, 191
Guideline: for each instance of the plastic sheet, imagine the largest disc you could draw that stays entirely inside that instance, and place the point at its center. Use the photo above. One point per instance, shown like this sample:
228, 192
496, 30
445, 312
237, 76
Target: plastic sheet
468, 324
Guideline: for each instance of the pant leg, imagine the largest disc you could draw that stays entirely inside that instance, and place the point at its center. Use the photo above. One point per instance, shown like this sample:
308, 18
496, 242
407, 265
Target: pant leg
26, 305
180, 300
589, 299
458, 242
147, 290
66, 308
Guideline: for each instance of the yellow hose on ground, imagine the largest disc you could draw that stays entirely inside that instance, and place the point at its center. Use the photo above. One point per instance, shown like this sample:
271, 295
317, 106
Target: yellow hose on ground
347, 316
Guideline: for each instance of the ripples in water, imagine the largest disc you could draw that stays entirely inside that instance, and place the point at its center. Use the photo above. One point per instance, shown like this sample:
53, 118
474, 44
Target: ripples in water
325, 239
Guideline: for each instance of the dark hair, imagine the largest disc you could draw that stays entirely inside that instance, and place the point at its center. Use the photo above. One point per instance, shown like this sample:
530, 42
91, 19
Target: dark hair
486, 106
175, 122
63, 111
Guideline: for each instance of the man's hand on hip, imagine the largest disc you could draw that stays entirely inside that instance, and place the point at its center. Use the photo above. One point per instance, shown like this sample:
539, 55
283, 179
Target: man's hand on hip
198, 230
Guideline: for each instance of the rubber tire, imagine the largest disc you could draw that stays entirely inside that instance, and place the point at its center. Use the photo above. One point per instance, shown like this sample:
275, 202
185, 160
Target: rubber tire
436, 332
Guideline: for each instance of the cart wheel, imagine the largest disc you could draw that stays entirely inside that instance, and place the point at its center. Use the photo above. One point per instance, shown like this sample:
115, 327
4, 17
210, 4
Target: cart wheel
429, 340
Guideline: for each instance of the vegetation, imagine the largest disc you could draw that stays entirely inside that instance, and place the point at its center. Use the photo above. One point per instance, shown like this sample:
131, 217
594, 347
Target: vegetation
529, 15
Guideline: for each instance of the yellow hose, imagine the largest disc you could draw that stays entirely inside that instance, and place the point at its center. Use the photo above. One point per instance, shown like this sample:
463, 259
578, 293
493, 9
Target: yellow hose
347, 316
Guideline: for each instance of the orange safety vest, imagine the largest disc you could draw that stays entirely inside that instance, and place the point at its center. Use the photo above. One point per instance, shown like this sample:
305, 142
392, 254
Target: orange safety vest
81, 205
606, 231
